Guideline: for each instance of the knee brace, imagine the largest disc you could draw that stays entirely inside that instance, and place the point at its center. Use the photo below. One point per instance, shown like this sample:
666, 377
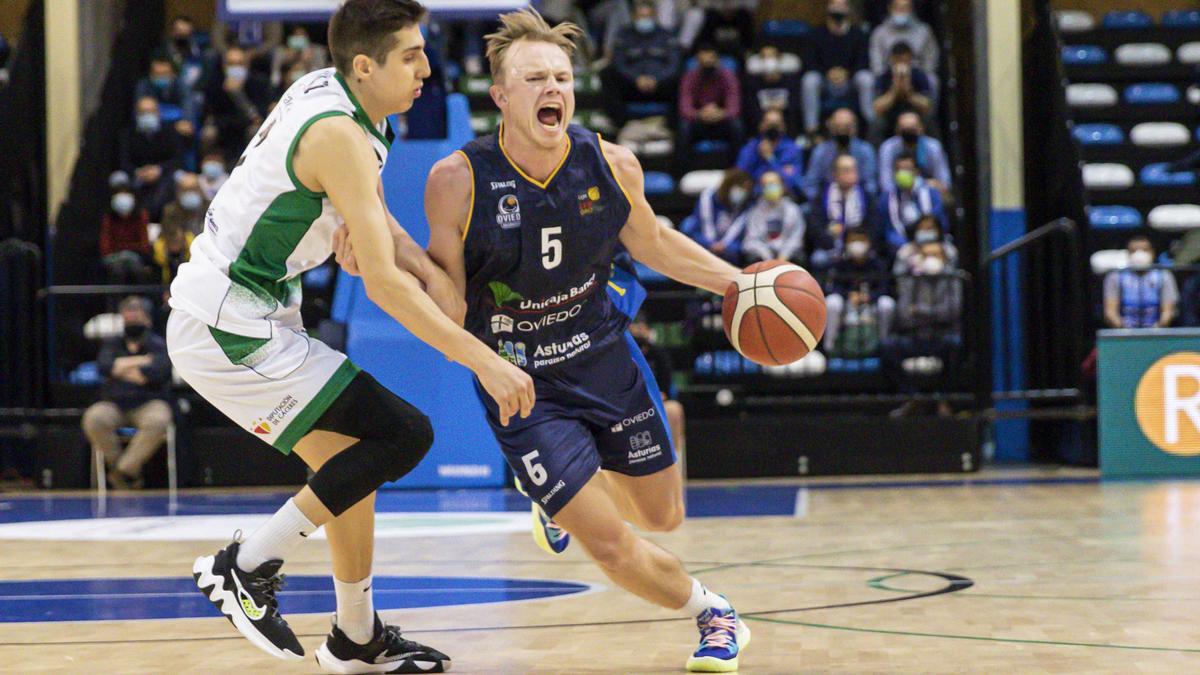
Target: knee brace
393, 438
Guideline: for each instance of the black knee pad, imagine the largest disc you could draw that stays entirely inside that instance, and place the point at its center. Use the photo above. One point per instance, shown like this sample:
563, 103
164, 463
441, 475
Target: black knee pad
393, 438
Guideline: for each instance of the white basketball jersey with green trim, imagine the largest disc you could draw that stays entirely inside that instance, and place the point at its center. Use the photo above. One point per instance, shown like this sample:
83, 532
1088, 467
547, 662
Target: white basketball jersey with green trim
264, 228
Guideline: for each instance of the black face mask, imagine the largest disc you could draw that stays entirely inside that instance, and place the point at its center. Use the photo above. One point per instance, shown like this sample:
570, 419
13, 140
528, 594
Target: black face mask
708, 70
837, 17
772, 133
183, 44
842, 139
135, 331
909, 136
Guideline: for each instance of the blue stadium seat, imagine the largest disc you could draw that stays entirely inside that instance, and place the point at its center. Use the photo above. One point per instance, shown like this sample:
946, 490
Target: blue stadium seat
1157, 175
1181, 18
749, 367
704, 364
1151, 93
1115, 218
86, 374
786, 28
318, 278
689, 226
639, 109
1128, 19
659, 183
169, 113
710, 147
727, 62
1099, 134
1083, 55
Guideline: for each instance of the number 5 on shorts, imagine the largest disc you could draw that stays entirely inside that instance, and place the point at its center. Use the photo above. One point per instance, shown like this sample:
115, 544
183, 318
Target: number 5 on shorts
537, 473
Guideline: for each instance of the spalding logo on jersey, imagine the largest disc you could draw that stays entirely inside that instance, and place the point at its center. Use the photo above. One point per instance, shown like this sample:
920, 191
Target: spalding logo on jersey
509, 215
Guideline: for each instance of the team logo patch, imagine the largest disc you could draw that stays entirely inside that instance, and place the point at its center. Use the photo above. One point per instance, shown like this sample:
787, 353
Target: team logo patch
642, 439
261, 426
502, 324
509, 215
587, 201
514, 353
503, 294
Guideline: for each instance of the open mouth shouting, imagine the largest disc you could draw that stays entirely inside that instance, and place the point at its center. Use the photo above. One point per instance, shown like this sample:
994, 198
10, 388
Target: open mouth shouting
550, 116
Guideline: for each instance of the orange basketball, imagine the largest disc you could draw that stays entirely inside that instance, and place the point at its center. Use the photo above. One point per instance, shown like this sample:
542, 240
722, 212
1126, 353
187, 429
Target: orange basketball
774, 313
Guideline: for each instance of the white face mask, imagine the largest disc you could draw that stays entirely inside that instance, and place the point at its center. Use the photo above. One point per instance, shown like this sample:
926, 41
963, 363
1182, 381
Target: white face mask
857, 249
933, 265
737, 196
1140, 259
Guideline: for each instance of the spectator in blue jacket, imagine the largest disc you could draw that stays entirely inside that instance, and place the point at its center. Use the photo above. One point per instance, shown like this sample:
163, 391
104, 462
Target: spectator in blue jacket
175, 99
910, 138
645, 65
773, 150
844, 205
716, 224
909, 200
843, 131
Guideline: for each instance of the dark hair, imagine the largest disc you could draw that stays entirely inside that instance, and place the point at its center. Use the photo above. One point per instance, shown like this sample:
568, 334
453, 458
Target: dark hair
731, 178
902, 48
903, 156
857, 232
137, 302
367, 27
706, 47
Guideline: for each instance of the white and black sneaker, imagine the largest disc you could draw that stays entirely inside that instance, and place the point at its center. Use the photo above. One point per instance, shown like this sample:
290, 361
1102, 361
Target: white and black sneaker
387, 652
248, 600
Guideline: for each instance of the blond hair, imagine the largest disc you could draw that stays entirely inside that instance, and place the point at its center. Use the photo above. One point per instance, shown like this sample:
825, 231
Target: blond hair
527, 24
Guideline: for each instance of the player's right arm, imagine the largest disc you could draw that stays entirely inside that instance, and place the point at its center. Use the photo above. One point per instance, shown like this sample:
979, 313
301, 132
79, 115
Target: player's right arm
334, 156
448, 200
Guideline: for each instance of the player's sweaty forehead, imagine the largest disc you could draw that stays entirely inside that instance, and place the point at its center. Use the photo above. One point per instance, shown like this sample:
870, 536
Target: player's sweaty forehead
528, 58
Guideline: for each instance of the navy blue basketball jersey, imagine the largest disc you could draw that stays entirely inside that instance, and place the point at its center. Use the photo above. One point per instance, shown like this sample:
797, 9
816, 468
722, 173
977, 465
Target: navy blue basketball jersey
539, 255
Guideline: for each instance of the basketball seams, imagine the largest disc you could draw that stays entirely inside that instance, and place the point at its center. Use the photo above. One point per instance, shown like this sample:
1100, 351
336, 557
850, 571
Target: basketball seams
772, 281
790, 319
762, 332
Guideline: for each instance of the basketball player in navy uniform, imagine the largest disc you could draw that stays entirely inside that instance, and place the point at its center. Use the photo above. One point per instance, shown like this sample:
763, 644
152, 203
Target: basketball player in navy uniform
526, 222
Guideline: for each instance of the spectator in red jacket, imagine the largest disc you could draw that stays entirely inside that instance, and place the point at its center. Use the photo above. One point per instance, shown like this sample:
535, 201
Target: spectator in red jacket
710, 102
124, 244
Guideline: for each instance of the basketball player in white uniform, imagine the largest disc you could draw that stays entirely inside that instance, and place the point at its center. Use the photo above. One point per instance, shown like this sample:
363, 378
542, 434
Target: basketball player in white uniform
236, 337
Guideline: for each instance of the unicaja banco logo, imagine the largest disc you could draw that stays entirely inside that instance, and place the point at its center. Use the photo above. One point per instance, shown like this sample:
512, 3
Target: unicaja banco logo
1167, 403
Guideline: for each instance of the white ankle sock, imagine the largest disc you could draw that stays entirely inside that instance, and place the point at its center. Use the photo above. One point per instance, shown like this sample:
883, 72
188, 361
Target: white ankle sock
702, 599
355, 609
274, 540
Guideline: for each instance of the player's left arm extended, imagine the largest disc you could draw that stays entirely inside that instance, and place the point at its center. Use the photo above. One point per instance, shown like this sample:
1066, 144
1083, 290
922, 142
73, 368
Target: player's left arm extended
663, 249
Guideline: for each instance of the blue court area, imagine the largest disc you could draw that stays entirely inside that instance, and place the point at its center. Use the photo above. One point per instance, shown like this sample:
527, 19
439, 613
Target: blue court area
177, 597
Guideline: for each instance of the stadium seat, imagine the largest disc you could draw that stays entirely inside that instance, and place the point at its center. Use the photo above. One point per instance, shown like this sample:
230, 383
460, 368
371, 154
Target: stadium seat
659, 148
710, 147
640, 109
1128, 19
1091, 95
1109, 260
1173, 217
1107, 176
1188, 53
1098, 134
1156, 175
659, 183
1073, 21
1083, 55
86, 374
318, 278
789, 64
785, 28
1151, 93
1159, 134
587, 83
1181, 18
814, 363
1114, 217
104, 326
695, 182
1143, 54
704, 364
475, 85
727, 62
1193, 95
664, 221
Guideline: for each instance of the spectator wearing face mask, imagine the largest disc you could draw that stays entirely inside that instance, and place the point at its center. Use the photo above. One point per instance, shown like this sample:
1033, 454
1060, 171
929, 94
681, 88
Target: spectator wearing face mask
927, 152
237, 101
162, 85
171, 249
136, 374
843, 131
188, 209
297, 55
908, 201
1138, 296
149, 152
771, 83
717, 223
902, 26
857, 297
928, 323
644, 68
124, 243
212, 174
190, 61
773, 150
926, 231
774, 225
844, 205
904, 88
710, 100
838, 68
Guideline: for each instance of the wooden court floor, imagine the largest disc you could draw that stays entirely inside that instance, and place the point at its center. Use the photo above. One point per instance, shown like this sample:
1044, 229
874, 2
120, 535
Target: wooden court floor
992, 577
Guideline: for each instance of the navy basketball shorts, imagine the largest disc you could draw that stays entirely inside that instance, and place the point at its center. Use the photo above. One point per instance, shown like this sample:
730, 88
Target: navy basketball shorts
602, 412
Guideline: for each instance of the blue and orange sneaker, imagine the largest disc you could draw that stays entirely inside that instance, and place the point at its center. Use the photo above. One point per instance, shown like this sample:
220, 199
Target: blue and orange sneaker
546, 533
723, 636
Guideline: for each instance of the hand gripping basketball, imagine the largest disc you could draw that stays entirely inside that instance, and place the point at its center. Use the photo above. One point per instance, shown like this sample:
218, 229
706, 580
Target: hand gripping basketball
774, 313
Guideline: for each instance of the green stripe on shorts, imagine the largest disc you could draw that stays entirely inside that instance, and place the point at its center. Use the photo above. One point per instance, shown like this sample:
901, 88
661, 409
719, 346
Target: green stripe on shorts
237, 348
303, 422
